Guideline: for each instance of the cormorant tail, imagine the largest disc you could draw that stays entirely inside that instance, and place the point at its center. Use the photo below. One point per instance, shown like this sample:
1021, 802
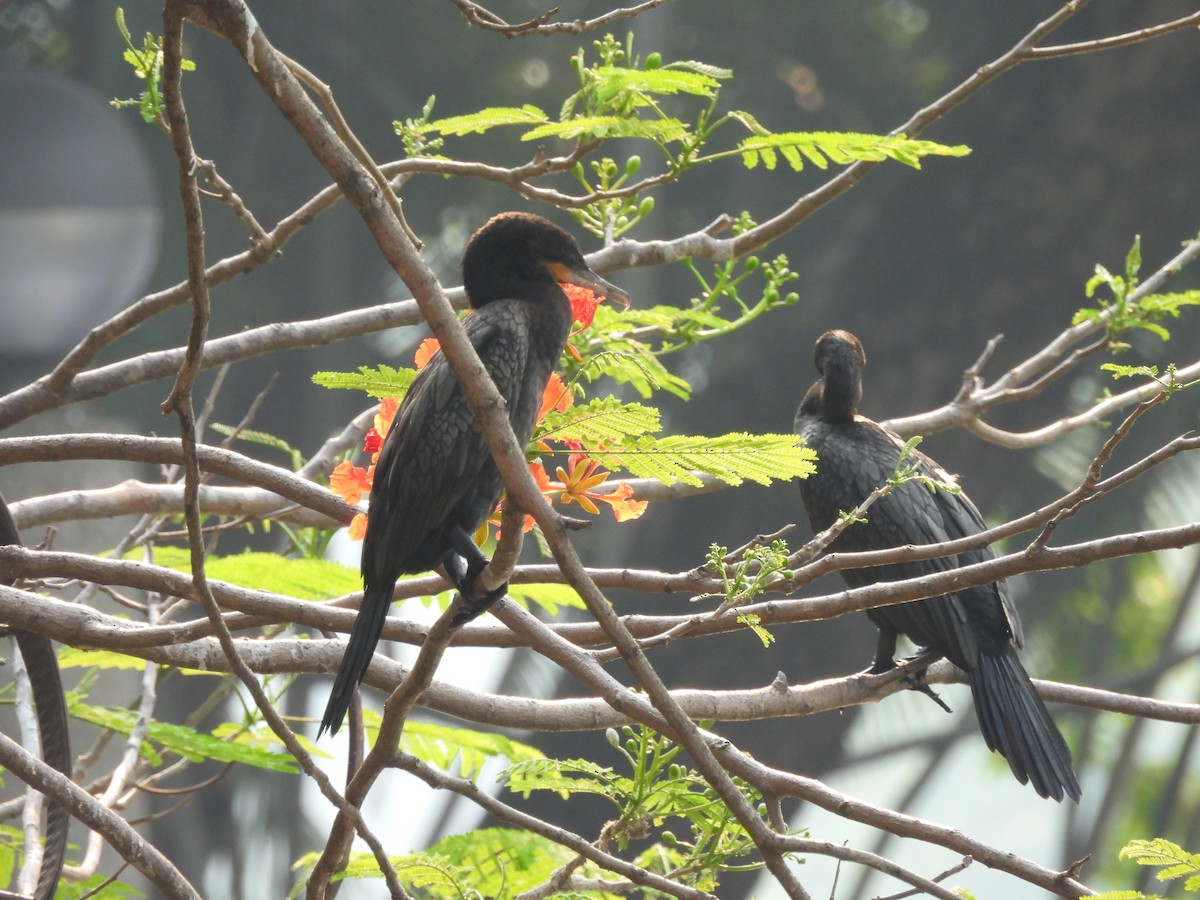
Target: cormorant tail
1015, 724
363, 640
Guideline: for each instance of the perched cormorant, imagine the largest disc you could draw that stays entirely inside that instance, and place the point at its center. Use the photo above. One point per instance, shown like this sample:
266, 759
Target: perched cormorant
976, 628
435, 481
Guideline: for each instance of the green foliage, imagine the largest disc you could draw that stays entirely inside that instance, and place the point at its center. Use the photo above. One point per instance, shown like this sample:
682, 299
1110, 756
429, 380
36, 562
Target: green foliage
842, 148
1172, 860
759, 568
612, 214
308, 579
488, 862
440, 745
229, 744
627, 346
731, 458
147, 62
616, 349
658, 792
550, 598
263, 439
377, 381
620, 96
98, 887
1123, 313
606, 419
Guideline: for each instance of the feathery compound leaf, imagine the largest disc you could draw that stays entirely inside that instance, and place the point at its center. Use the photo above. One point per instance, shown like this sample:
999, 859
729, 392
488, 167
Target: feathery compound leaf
1175, 861
479, 122
550, 597
604, 421
307, 579
262, 438
822, 147
732, 458
609, 127
564, 777
440, 745
74, 658
503, 862
183, 741
614, 80
691, 65
378, 382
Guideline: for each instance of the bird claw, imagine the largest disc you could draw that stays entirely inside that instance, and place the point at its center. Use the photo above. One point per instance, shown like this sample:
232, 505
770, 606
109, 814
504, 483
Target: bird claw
474, 606
914, 680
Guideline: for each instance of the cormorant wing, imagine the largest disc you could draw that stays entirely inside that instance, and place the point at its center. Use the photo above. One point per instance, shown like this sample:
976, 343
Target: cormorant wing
434, 467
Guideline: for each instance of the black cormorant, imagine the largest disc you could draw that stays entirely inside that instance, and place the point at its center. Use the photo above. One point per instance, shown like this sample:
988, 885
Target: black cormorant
976, 628
435, 481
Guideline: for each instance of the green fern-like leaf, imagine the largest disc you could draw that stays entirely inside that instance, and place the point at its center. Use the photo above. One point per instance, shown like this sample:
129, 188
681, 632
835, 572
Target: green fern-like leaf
602, 421
548, 597
74, 658
487, 862
479, 122
307, 579
378, 382
658, 130
611, 81
263, 439
634, 363
435, 875
440, 745
842, 148
732, 458
703, 68
1173, 861
565, 777
181, 740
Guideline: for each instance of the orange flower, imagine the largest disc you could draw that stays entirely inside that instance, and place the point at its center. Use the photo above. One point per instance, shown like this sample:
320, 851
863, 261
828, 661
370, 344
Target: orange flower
350, 482
556, 396
425, 351
578, 483
623, 505
358, 527
583, 309
544, 485
583, 304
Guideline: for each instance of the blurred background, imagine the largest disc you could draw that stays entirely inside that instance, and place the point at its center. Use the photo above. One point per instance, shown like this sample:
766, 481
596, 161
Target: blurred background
1070, 160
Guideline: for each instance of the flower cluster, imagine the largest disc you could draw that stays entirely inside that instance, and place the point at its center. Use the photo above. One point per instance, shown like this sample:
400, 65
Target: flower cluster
582, 481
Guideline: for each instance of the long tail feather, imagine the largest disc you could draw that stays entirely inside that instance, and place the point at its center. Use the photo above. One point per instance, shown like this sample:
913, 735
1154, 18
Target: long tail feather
1015, 724
363, 640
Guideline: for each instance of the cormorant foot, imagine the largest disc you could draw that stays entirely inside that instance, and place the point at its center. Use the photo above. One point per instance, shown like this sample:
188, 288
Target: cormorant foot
916, 681
474, 606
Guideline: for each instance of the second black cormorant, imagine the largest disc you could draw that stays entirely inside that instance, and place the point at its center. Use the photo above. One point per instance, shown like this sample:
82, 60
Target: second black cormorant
976, 628
435, 481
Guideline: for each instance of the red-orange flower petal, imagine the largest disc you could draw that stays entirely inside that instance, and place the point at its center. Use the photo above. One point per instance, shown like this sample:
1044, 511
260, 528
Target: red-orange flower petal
350, 482
387, 412
358, 527
583, 303
372, 441
425, 351
556, 396
623, 506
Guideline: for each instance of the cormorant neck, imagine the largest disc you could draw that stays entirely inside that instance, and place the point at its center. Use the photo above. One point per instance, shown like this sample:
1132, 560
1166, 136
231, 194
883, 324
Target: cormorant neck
841, 391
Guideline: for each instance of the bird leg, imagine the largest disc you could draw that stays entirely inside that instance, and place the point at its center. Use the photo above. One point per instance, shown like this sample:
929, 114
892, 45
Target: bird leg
463, 565
885, 661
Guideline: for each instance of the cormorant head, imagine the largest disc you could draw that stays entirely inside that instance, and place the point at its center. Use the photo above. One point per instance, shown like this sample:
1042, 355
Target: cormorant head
515, 253
840, 358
